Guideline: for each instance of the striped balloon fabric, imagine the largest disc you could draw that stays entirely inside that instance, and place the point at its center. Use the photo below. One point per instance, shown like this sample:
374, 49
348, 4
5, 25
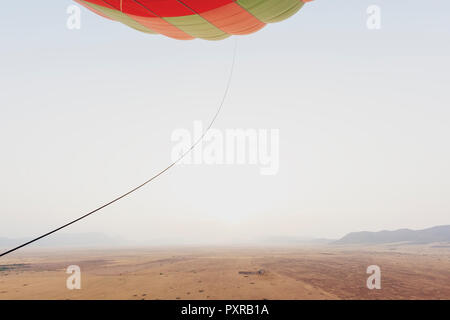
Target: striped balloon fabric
190, 19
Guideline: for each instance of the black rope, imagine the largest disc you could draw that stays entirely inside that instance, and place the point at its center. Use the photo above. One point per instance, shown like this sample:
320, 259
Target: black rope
152, 178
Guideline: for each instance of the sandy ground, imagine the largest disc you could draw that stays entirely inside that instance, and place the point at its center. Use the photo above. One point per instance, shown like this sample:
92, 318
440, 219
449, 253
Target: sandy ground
321, 272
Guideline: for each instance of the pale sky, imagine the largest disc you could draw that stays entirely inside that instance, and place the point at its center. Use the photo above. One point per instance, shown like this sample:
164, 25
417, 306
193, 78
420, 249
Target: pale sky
363, 117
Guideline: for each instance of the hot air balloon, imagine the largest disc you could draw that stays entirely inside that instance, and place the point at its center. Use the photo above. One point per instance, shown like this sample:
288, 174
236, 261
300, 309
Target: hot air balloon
190, 19
186, 20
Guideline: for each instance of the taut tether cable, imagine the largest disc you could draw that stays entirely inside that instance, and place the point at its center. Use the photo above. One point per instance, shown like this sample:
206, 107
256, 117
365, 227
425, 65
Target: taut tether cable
213, 120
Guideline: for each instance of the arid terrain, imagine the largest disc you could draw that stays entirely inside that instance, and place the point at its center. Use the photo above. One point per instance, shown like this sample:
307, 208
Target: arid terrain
315, 272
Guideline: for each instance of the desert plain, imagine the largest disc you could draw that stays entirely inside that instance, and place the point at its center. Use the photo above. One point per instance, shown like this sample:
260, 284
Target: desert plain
216, 273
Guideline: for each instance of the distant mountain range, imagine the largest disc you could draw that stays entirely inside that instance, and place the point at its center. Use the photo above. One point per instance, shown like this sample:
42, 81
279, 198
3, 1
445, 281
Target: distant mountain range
68, 240
439, 234
425, 236
291, 240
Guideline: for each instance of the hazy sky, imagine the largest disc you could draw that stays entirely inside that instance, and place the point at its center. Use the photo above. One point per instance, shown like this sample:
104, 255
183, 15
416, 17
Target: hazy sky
363, 118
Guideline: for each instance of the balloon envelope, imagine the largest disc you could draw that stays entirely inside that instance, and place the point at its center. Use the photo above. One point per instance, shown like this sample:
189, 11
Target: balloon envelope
189, 19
